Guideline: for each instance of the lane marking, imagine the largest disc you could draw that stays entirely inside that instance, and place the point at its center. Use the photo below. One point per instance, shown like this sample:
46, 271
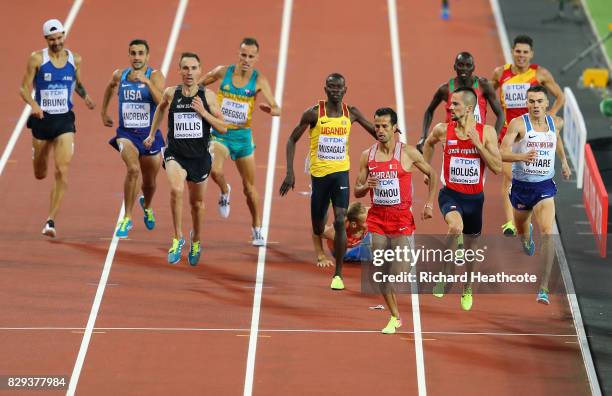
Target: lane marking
560, 251
78, 366
399, 104
281, 69
23, 118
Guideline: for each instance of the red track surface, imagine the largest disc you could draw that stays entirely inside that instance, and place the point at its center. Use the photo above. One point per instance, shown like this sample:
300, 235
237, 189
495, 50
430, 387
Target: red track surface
185, 330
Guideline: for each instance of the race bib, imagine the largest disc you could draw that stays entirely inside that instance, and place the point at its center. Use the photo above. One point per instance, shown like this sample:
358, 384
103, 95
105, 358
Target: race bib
54, 101
331, 148
515, 95
387, 192
235, 113
136, 115
187, 126
464, 170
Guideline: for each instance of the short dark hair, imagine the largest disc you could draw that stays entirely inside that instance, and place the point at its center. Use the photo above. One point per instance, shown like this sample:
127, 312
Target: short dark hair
189, 55
336, 76
250, 41
354, 210
523, 39
468, 95
139, 42
464, 54
538, 88
383, 111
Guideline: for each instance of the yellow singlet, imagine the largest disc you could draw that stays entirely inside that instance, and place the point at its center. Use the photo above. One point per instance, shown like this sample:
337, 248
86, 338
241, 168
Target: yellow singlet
329, 143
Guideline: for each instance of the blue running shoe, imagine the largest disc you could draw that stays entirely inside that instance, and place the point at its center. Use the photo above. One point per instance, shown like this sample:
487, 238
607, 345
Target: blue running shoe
445, 14
149, 219
529, 246
174, 254
124, 228
194, 251
543, 296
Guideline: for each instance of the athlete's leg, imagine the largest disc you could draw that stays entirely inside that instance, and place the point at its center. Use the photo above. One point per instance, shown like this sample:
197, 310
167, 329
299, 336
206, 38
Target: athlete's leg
220, 154
339, 238
176, 179
522, 220
508, 226
63, 148
40, 156
246, 168
149, 166
129, 155
544, 213
196, 201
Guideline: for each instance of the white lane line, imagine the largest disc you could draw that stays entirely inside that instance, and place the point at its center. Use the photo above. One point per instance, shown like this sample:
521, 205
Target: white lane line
560, 251
78, 366
270, 171
399, 104
21, 122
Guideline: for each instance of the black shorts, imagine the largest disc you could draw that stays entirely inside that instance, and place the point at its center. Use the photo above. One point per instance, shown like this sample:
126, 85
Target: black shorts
198, 168
51, 125
469, 207
334, 188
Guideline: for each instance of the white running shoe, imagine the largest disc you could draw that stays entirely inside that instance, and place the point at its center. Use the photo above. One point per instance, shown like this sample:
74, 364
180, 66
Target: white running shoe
224, 203
258, 239
49, 229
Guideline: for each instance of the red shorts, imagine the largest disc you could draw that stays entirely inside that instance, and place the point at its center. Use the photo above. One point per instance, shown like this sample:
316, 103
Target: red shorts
502, 133
390, 221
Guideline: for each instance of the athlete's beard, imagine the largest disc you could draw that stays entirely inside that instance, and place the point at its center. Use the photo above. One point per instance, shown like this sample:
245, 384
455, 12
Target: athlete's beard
136, 68
55, 48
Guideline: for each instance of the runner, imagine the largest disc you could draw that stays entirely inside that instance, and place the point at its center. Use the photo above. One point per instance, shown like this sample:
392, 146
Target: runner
530, 144
385, 170
464, 67
140, 89
468, 147
513, 80
240, 84
192, 112
330, 126
55, 73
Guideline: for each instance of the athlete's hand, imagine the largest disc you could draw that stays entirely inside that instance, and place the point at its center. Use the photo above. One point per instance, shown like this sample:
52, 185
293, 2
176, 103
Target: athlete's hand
198, 106
107, 120
371, 182
473, 135
89, 102
266, 108
323, 261
565, 170
530, 156
427, 212
288, 183
148, 142
37, 111
141, 78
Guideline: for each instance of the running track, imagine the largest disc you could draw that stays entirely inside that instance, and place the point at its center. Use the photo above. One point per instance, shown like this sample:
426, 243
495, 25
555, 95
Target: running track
163, 329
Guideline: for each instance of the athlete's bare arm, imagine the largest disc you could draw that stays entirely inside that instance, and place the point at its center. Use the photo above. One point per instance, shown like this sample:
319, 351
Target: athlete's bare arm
270, 107
565, 169
490, 95
34, 63
516, 131
364, 181
108, 94
215, 74
361, 120
155, 84
497, 72
488, 148
79, 87
160, 112
547, 80
419, 162
214, 117
436, 135
308, 121
440, 96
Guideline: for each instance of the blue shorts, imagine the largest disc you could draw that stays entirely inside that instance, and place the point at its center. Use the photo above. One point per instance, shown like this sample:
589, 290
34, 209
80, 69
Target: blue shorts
526, 195
360, 252
469, 207
137, 139
239, 142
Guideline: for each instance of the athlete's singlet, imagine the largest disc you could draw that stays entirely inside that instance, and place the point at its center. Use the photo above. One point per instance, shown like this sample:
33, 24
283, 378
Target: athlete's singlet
54, 86
480, 111
237, 103
136, 105
513, 92
545, 143
329, 143
462, 167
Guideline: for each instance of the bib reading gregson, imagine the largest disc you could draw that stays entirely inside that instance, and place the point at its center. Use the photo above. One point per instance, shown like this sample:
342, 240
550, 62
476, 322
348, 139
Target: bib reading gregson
54, 86
462, 167
188, 133
237, 103
329, 142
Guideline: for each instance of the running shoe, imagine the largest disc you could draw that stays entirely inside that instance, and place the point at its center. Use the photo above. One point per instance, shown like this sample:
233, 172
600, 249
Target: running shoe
149, 219
529, 245
445, 14
543, 296
438, 290
509, 229
124, 228
194, 251
337, 283
394, 324
49, 229
466, 299
224, 203
174, 254
258, 239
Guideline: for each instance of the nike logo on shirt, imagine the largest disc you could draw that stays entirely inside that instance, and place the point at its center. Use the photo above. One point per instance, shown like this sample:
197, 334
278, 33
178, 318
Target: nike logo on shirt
343, 187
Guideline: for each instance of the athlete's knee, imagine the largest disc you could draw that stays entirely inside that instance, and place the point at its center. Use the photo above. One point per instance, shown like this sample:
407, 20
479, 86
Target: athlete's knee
318, 228
339, 221
249, 189
455, 228
196, 203
546, 230
216, 173
177, 190
40, 172
61, 172
133, 171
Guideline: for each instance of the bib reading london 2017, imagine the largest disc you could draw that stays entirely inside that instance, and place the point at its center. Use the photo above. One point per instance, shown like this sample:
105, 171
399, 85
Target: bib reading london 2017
464, 170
